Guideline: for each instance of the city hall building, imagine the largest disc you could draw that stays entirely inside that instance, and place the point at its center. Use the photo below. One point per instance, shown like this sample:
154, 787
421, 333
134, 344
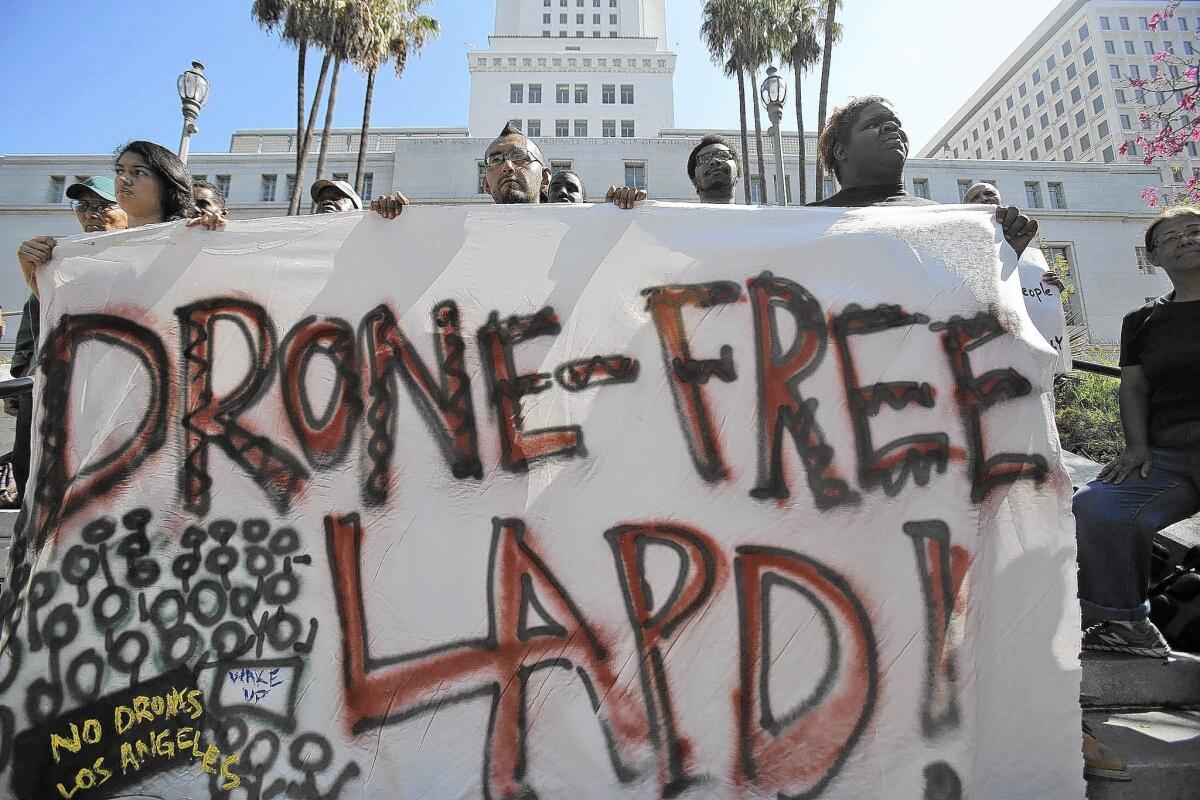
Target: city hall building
592, 80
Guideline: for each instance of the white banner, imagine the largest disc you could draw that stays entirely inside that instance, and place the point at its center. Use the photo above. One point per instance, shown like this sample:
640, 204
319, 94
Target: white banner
1044, 303
566, 502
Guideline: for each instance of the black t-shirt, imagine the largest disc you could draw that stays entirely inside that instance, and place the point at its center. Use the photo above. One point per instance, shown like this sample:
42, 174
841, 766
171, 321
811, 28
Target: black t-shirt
1163, 337
862, 196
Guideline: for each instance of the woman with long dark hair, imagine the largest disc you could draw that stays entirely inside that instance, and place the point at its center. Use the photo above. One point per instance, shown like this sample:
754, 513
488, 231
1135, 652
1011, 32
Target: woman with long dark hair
153, 186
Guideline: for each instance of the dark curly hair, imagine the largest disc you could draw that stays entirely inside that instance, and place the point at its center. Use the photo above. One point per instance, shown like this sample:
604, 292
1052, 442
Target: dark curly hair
175, 182
705, 141
840, 122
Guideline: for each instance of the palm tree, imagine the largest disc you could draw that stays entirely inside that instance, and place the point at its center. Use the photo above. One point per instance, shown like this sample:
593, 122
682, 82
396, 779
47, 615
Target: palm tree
718, 30
398, 30
829, 23
296, 21
798, 45
354, 34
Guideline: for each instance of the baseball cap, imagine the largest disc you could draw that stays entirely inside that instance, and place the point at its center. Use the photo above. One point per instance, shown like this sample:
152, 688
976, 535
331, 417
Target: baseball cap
102, 186
341, 186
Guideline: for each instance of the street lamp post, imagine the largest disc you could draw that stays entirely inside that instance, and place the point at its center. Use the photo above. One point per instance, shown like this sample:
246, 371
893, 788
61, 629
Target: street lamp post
193, 93
774, 93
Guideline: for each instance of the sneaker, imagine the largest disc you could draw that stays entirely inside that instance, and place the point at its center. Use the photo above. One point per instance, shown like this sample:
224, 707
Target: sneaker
1139, 638
1101, 761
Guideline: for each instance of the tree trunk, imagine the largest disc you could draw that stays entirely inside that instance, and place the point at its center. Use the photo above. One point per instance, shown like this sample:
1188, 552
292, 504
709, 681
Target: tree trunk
301, 60
306, 144
323, 153
797, 71
831, 8
741, 79
366, 127
762, 167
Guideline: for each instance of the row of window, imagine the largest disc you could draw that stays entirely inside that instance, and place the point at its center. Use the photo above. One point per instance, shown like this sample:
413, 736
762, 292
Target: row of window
578, 34
1033, 191
268, 184
564, 127
635, 172
1110, 47
562, 93
579, 3
1144, 23
573, 61
56, 193
562, 19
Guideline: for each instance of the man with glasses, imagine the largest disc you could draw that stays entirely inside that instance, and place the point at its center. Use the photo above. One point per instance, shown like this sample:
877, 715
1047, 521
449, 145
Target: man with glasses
515, 172
94, 202
714, 168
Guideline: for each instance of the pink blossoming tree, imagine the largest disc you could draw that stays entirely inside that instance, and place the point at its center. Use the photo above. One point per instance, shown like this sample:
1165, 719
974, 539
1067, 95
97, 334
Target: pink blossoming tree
1169, 117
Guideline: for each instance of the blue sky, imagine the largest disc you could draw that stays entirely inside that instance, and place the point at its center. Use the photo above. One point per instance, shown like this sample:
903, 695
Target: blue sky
85, 76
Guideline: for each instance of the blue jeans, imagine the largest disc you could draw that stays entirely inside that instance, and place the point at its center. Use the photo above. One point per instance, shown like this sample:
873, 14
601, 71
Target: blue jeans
1115, 526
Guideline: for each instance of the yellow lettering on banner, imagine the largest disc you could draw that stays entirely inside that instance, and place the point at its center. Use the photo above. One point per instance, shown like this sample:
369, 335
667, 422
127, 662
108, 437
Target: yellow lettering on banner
143, 752
73, 744
232, 779
67, 795
163, 746
128, 759
174, 701
123, 718
157, 705
141, 707
194, 706
91, 731
209, 762
196, 746
181, 738
104, 774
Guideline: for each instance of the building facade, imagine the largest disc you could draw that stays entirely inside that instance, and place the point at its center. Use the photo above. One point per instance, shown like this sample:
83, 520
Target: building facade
1089, 210
1064, 94
575, 69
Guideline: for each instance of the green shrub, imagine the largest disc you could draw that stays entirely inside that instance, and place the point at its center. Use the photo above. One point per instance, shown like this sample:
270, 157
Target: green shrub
1088, 415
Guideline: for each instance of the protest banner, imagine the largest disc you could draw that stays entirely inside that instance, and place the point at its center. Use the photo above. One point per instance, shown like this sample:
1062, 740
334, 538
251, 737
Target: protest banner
1044, 303
565, 502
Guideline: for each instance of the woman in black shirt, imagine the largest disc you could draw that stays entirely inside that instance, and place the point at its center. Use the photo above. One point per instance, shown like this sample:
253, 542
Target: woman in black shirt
1156, 481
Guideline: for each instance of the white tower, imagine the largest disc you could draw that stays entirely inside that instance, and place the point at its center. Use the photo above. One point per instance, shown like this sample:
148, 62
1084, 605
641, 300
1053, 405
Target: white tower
575, 68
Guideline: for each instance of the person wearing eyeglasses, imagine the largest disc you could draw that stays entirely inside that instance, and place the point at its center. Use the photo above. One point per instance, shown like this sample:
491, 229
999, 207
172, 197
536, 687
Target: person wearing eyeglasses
714, 168
1155, 481
515, 172
94, 202
152, 186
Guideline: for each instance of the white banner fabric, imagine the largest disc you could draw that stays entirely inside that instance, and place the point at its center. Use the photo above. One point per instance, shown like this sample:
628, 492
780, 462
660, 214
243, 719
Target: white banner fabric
565, 502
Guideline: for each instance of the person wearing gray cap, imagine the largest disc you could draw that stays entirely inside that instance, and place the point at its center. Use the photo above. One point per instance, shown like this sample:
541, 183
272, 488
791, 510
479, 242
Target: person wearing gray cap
334, 197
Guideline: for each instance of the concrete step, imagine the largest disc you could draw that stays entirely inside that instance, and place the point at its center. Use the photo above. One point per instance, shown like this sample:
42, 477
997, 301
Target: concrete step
1111, 680
1161, 748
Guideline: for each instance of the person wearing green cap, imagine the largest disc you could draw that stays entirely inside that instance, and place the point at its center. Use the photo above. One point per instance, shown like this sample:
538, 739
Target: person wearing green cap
152, 186
94, 202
